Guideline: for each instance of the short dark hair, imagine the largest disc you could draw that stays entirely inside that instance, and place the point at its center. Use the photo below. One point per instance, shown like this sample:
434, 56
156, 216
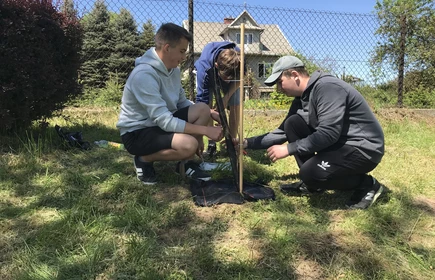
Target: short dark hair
171, 34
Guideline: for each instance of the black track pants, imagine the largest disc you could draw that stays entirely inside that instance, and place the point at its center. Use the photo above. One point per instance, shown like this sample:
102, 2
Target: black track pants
338, 167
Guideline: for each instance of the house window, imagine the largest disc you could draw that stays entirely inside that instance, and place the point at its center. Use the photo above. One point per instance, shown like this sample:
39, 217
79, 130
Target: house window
248, 38
264, 69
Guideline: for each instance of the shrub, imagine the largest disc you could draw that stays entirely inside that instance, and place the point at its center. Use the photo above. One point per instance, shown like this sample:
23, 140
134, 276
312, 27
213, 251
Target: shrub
108, 96
39, 60
280, 100
420, 97
381, 96
111, 94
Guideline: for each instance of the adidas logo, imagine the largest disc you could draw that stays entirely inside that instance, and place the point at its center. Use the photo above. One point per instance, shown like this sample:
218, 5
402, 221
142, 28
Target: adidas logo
323, 165
189, 172
369, 196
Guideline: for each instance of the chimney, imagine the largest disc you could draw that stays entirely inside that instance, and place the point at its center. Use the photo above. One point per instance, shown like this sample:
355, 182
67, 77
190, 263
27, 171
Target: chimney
228, 20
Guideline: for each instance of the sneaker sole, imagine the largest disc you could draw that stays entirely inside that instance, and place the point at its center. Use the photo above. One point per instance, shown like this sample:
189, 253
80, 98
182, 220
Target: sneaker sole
377, 194
202, 179
147, 183
190, 177
375, 197
191, 173
288, 190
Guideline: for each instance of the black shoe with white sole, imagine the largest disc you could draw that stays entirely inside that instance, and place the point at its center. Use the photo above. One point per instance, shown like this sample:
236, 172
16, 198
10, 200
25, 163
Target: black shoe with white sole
145, 171
194, 171
364, 198
299, 188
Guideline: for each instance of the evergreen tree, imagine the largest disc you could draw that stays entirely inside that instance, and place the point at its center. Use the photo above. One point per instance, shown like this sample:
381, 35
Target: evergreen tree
147, 35
126, 45
96, 46
69, 10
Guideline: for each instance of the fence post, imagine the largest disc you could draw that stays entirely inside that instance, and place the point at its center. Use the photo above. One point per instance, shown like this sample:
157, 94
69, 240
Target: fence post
191, 54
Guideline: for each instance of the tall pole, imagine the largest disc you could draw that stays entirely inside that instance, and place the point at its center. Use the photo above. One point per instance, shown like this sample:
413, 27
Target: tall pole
242, 93
191, 54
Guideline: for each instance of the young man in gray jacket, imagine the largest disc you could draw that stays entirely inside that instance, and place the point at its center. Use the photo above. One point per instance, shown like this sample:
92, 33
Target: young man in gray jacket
335, 138
157, 122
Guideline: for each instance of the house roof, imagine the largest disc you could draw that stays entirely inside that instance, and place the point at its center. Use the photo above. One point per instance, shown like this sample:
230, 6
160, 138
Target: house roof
247, 19
273, 41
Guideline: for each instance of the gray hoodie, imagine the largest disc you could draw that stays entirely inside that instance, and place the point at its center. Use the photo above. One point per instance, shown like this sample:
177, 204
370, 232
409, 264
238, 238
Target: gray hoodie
338, 113
151, 95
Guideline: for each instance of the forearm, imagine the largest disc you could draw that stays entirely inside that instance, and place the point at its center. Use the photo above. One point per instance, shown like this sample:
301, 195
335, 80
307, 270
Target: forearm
264, 141
195, 129
234, 121
213, 132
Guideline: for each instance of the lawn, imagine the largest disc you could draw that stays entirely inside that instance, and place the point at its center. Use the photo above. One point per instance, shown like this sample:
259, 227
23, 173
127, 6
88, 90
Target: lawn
68, 213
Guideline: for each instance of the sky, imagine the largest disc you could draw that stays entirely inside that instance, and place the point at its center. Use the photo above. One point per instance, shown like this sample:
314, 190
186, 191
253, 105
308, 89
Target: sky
346, 6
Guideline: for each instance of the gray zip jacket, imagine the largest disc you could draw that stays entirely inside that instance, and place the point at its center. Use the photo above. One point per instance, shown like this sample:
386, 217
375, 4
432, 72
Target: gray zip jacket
151, 95
338, 113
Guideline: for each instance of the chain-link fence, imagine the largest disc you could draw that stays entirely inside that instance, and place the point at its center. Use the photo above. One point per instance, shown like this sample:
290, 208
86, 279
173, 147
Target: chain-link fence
340, 43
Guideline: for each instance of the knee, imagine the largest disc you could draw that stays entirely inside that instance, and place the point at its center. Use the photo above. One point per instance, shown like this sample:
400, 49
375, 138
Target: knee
202, 108
294, 120
190, 145
311, 176
200, 114
305, 175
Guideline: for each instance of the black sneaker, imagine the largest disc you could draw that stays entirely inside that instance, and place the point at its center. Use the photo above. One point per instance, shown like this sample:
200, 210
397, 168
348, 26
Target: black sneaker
193, 171
364, 198
145, 171
299, 188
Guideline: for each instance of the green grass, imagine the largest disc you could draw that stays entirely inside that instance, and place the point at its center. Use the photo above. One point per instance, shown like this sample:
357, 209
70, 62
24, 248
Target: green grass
72, 214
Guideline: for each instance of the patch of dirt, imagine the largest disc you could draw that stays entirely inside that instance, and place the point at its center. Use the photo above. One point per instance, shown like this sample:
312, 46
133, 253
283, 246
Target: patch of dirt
420, 235
173, 194
427, 204
417, 115
238, 239
308, 270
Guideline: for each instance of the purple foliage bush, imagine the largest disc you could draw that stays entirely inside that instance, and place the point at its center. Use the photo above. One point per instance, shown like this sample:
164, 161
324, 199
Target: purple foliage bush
39, 61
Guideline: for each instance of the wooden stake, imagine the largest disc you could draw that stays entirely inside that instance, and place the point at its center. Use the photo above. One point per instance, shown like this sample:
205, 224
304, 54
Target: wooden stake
242, 94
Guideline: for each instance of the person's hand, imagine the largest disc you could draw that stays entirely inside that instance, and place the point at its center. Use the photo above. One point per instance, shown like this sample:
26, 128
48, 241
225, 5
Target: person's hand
277, 152
215, 133
236, 142
215, 116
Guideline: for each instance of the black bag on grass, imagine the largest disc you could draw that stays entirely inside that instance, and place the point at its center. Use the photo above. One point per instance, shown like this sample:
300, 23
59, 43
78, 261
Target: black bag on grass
257, 191
74, 139
209, 193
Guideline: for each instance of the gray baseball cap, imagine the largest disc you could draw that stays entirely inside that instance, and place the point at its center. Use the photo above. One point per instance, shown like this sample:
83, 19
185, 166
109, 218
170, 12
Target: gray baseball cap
284, 63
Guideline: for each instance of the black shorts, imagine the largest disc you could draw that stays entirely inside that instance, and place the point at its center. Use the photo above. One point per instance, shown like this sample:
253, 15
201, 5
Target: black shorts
151, 140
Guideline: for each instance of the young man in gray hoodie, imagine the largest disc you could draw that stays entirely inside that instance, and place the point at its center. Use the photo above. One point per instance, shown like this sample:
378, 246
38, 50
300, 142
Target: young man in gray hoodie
335, 138
157, 122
